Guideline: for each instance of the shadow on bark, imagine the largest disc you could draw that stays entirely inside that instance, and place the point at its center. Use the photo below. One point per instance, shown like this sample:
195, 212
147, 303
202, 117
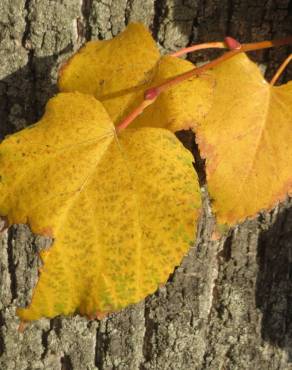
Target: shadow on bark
274, 281
24, 94
247, 21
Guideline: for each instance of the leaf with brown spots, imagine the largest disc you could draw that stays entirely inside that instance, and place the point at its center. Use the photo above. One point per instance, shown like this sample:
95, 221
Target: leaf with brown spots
122, 209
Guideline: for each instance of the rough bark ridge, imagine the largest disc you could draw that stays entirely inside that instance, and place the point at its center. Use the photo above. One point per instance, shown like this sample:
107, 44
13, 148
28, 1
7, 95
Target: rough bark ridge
228, 306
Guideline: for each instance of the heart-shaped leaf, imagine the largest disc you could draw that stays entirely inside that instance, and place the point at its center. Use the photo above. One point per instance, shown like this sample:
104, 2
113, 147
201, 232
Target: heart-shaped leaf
122, 209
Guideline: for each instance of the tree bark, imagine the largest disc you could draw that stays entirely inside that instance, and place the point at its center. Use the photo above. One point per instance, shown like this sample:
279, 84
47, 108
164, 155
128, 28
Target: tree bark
228, 306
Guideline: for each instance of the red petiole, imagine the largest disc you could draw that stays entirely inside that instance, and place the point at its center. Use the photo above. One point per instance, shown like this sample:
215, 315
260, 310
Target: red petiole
281, 69
229, 43
151, 94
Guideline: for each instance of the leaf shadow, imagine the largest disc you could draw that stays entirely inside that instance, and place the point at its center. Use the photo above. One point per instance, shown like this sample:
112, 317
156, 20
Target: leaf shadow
24, 93
274, 281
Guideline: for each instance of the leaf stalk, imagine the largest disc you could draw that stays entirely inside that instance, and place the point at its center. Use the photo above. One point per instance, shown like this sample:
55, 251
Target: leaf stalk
151, 94
280, 70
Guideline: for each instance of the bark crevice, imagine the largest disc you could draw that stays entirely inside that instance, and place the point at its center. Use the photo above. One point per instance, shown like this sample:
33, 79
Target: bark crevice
12, 264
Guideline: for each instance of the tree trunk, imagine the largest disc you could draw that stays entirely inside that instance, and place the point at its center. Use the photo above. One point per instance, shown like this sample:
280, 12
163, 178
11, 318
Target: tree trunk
228, 306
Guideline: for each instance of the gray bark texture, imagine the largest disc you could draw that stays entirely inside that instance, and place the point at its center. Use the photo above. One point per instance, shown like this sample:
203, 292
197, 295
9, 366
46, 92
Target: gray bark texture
229, 304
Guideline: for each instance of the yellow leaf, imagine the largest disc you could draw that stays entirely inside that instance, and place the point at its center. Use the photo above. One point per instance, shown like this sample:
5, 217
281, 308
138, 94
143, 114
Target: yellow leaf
247, 141
182, 106
117, 72
122, 210
114, 71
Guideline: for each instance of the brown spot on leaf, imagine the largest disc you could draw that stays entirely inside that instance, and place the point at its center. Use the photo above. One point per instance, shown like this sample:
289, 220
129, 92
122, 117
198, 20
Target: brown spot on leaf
47, 231
4, 224
208, 152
